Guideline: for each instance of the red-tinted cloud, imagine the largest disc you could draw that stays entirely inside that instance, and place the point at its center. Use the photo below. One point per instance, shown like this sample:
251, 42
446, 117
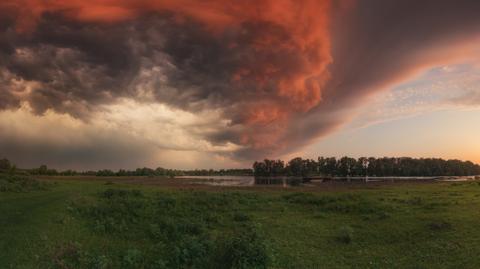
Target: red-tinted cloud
299, 27
287, 46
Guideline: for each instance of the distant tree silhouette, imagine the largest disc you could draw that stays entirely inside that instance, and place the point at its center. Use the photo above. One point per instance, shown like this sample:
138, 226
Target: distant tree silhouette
5, 164
363, 166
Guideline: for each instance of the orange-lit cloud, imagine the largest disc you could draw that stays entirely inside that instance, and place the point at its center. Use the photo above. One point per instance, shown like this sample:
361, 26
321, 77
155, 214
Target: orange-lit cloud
288, 43
298, 27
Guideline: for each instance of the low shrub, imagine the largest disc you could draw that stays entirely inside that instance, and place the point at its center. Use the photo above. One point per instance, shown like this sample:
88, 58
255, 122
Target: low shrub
308, 199
440, 225
244, 250
344, 234
16, 183
240, 217
344, 204
133, 258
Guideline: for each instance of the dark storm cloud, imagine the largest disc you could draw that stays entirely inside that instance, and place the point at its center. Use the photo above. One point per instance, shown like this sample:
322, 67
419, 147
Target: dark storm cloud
91, 64
379, 44
375, 45
7, 100
250, 70
75, 66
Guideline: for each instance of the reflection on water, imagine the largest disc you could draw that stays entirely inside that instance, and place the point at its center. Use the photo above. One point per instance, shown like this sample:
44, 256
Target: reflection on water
243, 180
297, 181
284, 181
221, 180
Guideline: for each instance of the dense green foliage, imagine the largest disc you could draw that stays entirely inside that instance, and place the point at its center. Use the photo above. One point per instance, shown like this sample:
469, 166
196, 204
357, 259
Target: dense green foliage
363, 166
15, 183
145, 171
173, 231
93, 225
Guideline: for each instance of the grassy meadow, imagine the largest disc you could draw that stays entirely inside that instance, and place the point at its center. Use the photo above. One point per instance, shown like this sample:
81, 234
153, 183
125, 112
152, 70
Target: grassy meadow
75, 223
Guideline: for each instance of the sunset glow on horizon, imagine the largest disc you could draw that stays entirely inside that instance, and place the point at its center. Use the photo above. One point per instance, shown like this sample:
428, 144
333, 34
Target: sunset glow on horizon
92, 84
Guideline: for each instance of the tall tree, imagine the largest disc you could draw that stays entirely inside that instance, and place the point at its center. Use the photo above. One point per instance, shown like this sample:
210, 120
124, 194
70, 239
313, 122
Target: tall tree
5, 164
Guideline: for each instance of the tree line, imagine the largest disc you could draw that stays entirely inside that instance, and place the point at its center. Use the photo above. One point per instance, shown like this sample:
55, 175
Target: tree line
363, 166
171, 172
7, 166
330, 166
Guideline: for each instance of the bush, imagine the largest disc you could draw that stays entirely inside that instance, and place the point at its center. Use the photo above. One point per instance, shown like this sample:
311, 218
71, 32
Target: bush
440, 225
115, 193
133, 258
244, 250
345, 234
307, 199
71, 255
14, 183
240, 217
66, 256
191, 252
5, 165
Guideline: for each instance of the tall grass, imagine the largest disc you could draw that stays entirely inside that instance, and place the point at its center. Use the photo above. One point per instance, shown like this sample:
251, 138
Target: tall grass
16, 183
166, 231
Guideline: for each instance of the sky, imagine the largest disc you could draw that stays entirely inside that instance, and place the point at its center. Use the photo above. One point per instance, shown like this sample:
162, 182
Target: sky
93, 84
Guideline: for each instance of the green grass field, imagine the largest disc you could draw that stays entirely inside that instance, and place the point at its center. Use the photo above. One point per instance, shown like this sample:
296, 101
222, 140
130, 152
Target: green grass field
91, 224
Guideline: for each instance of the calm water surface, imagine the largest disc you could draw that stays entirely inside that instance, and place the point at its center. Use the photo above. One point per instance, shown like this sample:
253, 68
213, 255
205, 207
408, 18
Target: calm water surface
222, 180
242, 181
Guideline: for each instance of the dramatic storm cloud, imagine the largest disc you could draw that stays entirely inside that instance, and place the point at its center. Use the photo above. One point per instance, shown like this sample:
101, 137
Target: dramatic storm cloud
382, 43
251, 78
